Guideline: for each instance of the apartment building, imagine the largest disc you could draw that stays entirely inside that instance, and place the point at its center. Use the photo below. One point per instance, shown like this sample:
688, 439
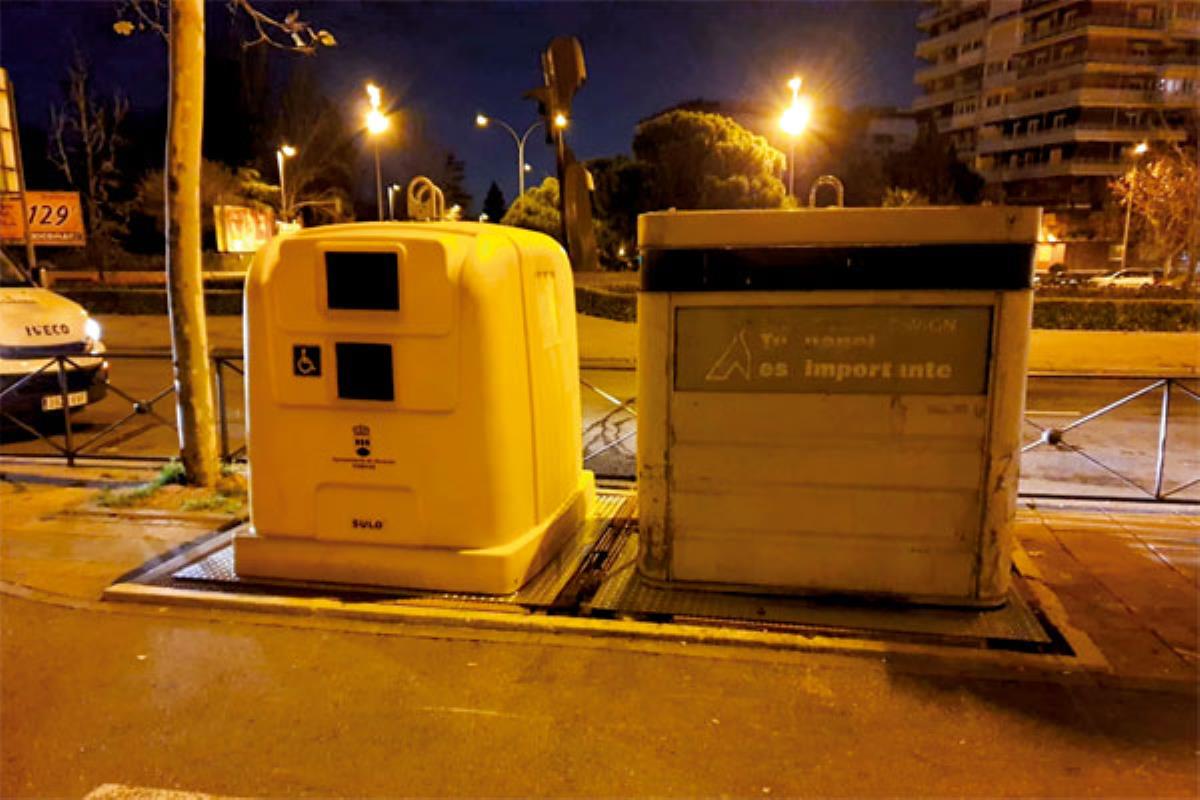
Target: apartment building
1045, 98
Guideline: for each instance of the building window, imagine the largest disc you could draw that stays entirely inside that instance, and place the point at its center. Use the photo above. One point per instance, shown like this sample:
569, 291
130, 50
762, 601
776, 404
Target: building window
1059, 121
1034, 125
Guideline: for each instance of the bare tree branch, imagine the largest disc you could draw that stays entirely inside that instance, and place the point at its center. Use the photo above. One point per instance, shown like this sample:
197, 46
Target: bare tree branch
290, 33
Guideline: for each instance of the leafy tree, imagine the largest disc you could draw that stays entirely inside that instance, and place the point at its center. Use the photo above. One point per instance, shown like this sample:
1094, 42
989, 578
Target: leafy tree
219, 185
932, 169
621, 188
1163, 187
84, 142
493, 203
537, 210
451, 179
895, 197
699, 160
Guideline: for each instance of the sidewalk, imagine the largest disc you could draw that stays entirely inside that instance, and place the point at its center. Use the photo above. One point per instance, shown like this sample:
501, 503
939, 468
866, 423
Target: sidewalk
256, 703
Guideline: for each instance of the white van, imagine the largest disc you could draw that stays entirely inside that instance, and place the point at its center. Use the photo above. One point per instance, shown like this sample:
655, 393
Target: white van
35, 326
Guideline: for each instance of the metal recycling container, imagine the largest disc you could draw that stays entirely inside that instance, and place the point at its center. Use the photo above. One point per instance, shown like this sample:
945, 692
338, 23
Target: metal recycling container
830, 400
412, 407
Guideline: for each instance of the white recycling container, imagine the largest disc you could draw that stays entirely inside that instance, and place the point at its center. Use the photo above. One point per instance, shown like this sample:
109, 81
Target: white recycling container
830, 400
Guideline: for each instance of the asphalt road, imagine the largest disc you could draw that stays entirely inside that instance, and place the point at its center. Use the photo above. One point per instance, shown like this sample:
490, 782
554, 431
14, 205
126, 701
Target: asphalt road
282, 705
1119, 449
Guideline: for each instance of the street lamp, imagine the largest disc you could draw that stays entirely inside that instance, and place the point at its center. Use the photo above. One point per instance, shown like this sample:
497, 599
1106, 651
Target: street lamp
392, 189
1138, 151
377, 122
285, 151
793, 122
483, 120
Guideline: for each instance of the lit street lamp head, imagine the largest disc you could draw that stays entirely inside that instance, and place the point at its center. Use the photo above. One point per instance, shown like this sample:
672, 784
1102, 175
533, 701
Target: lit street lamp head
377, 122
796, 117
1141, 148
560, 120
481, 121
287, 150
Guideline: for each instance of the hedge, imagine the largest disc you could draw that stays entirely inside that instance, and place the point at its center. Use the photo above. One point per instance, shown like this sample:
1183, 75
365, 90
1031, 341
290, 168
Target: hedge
1117, 315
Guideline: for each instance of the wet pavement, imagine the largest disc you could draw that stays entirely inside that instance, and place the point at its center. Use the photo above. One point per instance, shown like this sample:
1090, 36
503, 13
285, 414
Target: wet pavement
255, 703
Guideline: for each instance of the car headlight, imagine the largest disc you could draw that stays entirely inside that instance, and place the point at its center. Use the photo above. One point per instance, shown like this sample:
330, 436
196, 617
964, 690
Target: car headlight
91, 329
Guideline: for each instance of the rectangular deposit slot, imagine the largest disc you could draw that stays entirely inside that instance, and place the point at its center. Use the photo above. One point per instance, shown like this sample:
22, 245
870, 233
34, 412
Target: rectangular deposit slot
830, 399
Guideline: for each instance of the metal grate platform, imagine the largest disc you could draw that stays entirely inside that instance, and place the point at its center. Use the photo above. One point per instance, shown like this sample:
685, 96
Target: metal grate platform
623, 591
216, 571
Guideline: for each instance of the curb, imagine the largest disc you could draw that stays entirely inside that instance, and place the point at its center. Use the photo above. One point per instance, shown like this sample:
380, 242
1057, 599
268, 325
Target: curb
154, 515
1087, 666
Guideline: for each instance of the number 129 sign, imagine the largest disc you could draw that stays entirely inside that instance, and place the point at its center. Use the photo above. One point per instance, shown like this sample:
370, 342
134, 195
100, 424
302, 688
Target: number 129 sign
52, 218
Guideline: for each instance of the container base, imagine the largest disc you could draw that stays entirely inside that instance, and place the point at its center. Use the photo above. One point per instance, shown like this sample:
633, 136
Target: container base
494, 570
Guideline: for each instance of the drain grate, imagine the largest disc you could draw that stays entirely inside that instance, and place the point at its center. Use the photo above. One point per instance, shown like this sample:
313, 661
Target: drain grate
216, 571
594, 575
624, 592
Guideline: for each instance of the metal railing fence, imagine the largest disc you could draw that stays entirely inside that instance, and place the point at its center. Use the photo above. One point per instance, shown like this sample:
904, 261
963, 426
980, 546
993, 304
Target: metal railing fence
138, 417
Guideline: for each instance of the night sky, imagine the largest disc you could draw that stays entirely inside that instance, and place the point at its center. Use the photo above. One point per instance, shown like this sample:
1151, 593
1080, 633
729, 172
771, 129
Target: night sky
443, 62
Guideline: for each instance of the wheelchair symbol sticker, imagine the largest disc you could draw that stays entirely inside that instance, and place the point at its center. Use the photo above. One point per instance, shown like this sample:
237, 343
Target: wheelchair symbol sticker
306, 360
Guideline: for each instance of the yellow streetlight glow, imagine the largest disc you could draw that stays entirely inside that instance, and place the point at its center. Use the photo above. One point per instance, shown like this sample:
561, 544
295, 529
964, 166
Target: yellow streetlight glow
793, 121
1141, 148
377, 122
481, 120
287, 150
560, 120
796, 117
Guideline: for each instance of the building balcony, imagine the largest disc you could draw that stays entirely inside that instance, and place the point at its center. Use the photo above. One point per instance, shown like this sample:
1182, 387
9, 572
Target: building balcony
929, 48
1088, 62
1083, 132
947, 68
926, 102
1184, 28
1070, 167
1117, 23
1135, 98
940, 12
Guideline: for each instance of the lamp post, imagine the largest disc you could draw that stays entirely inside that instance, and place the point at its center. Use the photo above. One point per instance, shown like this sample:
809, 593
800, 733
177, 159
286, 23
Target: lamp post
391, 195
377, 123
284, 152
482, 121
793, 122
1137, 151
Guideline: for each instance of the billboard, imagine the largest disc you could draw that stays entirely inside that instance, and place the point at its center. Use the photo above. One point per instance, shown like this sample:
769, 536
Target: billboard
53, 219
241, 229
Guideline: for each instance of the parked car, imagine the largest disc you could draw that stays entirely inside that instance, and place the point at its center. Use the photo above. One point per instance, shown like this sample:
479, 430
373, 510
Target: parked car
1125, 279
36, 326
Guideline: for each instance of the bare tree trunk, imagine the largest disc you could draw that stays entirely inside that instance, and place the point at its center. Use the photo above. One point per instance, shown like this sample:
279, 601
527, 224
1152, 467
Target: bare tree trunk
185, 289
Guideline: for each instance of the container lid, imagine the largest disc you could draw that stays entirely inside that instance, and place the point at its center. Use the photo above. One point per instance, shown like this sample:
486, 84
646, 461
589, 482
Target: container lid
839, 226
977, 247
